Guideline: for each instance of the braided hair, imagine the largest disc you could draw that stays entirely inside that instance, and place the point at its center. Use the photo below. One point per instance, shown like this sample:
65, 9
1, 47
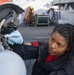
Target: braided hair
67, 31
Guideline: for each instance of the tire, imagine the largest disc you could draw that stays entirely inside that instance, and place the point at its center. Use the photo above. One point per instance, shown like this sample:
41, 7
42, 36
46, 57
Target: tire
51, 15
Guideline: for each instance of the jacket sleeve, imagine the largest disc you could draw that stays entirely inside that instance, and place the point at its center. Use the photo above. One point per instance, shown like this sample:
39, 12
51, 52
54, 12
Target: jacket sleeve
31, 51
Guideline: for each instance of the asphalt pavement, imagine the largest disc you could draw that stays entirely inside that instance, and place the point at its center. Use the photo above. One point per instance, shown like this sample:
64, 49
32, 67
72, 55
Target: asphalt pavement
36, 33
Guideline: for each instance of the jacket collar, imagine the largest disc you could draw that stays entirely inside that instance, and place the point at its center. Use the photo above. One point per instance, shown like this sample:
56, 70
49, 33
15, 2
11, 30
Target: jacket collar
51, 65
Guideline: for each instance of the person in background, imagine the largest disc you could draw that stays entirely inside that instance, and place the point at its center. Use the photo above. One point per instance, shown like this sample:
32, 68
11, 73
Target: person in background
55, 57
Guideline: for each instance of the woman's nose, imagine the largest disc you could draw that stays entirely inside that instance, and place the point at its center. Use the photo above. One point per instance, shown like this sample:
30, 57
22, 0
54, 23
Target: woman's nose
53, 45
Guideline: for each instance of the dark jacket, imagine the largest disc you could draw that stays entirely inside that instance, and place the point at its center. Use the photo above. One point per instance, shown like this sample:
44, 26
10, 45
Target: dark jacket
54, 67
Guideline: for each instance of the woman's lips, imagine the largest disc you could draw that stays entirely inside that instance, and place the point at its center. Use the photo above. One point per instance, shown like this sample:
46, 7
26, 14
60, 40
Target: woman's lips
50, 51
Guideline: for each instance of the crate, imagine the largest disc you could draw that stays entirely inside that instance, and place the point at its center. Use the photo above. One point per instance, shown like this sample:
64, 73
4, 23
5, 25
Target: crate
41, 20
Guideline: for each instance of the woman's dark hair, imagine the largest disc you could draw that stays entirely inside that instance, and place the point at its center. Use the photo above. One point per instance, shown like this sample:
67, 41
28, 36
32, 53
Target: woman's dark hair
67, 31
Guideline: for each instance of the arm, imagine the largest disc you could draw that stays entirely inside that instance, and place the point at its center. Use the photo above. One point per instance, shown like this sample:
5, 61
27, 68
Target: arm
31, 50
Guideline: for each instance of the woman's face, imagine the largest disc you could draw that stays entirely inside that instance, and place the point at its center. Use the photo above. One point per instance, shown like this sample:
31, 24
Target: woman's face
57, 45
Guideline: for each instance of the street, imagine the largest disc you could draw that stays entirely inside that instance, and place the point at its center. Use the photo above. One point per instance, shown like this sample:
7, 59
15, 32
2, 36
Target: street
36, 33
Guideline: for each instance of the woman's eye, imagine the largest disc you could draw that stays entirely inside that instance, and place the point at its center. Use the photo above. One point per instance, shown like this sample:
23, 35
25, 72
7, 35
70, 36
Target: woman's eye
52, 39
59, 45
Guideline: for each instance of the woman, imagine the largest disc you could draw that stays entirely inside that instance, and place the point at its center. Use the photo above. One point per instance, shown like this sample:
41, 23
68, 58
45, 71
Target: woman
56, 57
